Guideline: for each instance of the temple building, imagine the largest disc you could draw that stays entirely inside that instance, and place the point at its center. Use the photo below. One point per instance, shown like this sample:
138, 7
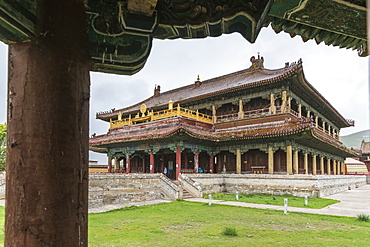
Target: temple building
256, 120
365, 153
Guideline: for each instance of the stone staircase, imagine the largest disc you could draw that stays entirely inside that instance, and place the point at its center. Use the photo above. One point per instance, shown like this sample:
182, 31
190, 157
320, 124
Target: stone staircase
185, 194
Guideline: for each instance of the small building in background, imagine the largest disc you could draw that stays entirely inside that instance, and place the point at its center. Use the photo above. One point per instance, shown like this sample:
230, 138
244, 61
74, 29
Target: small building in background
365, 153
95, 167
355, 167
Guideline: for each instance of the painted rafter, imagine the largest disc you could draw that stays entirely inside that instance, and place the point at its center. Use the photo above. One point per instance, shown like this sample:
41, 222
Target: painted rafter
121, 32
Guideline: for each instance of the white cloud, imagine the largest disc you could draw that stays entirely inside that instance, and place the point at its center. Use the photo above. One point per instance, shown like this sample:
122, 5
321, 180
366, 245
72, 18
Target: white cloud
3, 81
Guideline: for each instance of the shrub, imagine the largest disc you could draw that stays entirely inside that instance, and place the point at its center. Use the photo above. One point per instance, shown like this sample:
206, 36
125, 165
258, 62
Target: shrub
363, 217
229, 231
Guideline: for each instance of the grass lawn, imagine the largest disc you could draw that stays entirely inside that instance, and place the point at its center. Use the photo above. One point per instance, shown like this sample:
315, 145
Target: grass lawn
182, 223
293, 201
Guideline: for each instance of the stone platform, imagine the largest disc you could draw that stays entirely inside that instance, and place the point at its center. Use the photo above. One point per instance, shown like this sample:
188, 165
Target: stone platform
106, 190
297, 185
114, 189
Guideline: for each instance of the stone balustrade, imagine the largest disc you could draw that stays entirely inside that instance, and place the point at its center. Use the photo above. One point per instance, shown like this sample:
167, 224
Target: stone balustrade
297, 185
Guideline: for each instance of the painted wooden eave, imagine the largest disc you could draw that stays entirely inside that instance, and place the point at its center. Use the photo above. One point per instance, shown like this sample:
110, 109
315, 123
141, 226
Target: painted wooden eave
339, 23
179, 125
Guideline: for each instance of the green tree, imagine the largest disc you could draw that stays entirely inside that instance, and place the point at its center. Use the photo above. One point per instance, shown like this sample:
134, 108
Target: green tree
2, 146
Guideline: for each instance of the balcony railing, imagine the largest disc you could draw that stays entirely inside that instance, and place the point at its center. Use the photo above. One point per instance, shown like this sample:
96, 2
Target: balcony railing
152, 116
247, 114
183, 112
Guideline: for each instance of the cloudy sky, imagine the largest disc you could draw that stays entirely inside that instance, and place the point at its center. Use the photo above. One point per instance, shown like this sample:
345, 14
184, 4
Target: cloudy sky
340, 75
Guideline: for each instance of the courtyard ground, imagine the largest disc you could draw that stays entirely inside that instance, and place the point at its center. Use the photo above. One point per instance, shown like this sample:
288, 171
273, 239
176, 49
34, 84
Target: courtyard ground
352, 203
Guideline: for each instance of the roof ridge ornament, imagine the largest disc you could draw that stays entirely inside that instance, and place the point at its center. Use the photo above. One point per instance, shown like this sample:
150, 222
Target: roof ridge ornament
257, 63
157, 90
198, 82
287, 65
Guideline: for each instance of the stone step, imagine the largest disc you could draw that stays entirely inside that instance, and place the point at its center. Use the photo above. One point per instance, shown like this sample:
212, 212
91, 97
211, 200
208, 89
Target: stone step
186, 194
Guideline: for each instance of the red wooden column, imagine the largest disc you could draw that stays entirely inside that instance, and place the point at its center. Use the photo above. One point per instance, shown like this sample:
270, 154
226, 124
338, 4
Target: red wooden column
196, 161
211, 163
151, 161
128, 163
178, 162
47, 135
109, 163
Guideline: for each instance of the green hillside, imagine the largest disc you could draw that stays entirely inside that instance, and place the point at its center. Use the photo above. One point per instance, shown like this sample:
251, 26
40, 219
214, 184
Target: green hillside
354, 140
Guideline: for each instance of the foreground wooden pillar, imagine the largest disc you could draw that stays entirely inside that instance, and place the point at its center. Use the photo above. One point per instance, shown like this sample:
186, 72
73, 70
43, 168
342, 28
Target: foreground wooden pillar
48, 115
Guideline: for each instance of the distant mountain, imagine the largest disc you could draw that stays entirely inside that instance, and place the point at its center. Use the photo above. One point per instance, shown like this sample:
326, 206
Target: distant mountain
354, 140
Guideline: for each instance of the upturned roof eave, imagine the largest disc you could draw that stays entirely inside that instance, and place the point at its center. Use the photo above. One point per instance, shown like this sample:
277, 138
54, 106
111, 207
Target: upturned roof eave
341, 150
304, 82
221, 137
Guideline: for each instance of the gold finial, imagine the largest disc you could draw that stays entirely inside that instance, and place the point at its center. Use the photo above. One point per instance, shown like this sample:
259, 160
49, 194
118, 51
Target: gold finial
157, 90
170, 104
198, 82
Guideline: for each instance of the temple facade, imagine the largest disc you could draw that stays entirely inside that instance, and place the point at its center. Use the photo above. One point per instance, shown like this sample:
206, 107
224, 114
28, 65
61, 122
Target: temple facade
255, 120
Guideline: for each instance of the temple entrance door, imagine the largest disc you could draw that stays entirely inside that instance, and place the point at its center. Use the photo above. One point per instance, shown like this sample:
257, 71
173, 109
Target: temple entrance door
166, 158
257, 161
137, 164
280, 161
170, 163
226, 160
187, 161
204, 161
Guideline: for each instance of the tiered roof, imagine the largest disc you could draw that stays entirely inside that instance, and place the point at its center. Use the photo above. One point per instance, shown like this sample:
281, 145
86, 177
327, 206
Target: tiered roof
255, 76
